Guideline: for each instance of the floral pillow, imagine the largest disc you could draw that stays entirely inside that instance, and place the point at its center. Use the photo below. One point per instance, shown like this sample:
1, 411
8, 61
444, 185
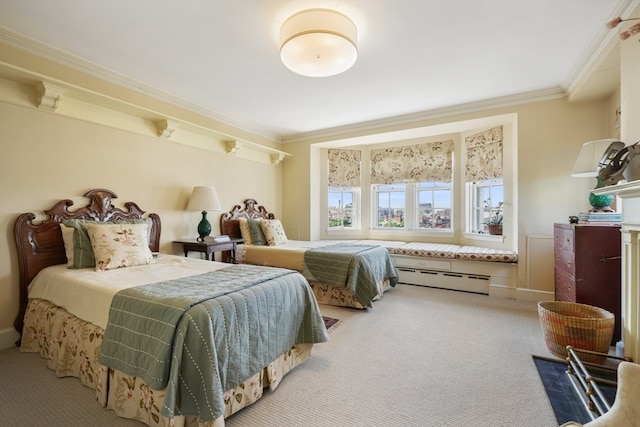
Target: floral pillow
83, 256
273, 232
119, 245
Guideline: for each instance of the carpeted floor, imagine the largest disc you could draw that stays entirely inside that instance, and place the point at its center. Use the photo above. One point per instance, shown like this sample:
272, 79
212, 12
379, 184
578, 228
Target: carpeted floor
420, 357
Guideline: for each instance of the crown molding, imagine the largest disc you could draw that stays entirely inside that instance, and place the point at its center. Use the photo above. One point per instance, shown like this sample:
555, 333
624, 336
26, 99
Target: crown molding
416, 119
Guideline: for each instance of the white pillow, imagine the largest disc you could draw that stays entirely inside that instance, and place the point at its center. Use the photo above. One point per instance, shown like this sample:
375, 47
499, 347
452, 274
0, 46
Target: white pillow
119, 245
273, 232
67, 239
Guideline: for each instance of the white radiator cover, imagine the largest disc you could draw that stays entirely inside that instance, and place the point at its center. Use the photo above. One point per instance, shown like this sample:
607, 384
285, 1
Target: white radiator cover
460, 275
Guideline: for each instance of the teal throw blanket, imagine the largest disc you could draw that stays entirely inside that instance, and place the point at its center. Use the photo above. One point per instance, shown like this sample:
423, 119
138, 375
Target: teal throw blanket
357, 267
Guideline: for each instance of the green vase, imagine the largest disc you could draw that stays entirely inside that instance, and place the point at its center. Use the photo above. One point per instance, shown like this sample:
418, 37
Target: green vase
204, 228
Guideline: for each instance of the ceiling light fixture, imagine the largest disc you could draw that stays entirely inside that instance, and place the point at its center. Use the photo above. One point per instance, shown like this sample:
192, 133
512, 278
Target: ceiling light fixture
318, 43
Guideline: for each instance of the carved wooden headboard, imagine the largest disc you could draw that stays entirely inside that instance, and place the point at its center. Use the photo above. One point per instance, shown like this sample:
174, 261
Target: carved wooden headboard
40, 244
229, 221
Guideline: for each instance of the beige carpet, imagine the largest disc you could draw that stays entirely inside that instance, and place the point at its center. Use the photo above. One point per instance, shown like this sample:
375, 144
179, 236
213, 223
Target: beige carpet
419, 357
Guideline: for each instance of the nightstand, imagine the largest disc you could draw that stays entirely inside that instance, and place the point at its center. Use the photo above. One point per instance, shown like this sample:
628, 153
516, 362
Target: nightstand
210, 247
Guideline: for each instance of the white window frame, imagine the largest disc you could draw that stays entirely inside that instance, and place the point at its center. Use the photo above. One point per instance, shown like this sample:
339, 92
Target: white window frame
480, 208
376, 190
355, 209
411, 206
434, 187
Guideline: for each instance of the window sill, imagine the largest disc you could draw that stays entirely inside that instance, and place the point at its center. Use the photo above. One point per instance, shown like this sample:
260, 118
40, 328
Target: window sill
484, 237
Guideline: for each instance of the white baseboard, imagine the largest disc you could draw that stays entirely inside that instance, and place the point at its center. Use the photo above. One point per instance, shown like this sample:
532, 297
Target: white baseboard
531, 295
8, 338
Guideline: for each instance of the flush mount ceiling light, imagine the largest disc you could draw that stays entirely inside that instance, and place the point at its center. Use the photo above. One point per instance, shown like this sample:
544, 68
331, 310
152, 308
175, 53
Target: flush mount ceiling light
318, 43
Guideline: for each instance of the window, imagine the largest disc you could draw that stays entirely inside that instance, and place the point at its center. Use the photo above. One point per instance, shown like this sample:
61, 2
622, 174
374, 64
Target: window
343, 175
434, 205
430, 202
342, 207
390, 205
485, 200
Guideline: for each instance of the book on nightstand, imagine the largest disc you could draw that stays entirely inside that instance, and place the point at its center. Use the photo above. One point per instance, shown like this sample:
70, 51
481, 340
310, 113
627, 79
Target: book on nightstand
221, 238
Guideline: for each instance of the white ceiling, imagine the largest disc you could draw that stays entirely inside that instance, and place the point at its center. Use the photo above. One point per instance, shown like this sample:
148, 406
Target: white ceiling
221, 57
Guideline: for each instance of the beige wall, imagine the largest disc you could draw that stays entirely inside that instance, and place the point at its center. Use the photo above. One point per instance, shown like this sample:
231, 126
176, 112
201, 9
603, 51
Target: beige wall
550, 135
45, 158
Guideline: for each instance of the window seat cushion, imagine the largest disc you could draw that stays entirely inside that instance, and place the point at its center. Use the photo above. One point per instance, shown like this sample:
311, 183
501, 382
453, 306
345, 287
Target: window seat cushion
426, 250
477, 253
447, 251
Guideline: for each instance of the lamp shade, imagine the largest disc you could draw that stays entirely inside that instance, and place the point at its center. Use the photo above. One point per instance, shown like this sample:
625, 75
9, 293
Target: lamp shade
204, 198
588, 161
318, 43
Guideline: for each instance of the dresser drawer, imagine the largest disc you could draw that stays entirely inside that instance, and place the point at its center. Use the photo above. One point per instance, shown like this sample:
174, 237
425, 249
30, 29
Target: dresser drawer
565, 261
565, 287
564, 238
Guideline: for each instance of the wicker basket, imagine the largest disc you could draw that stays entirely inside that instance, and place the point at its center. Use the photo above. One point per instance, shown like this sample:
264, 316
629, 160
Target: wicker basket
579, 325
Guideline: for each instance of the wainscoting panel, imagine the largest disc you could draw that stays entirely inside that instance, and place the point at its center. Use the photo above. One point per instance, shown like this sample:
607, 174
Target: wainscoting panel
540, 275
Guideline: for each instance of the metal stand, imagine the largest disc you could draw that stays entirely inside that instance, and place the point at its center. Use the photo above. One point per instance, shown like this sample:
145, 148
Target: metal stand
585, 382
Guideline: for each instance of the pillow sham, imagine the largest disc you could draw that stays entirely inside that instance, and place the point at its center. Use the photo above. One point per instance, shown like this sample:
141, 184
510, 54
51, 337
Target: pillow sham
273, 232
255, 229
67, 239
244, 231
251, 231
83, 256
119, 245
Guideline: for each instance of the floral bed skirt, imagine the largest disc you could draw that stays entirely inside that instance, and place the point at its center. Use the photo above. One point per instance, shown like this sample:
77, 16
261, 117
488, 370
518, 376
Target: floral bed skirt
342, 297
71, 347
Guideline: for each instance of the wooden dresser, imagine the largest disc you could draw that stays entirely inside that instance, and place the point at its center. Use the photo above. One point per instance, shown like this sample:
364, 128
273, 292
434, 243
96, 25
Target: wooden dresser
587, 267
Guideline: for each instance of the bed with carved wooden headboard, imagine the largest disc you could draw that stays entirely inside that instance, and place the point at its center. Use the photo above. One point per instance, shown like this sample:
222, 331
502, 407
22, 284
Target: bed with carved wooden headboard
80, 311
365, 271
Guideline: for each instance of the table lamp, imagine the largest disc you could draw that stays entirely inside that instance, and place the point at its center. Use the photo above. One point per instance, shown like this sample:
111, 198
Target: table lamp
204, 199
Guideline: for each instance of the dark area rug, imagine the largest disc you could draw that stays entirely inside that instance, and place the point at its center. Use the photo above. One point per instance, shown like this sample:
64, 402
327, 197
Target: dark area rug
564, 399
330, 323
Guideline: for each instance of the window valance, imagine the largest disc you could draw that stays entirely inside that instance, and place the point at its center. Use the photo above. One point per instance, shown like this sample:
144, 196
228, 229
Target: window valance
344, 168
484, 155
430, 162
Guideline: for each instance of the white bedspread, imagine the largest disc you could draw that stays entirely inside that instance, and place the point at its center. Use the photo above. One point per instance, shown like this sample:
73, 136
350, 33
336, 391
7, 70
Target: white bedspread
61, 285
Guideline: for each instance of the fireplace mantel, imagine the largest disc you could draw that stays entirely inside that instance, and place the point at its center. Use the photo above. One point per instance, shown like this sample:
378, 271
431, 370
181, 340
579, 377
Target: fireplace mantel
629, 194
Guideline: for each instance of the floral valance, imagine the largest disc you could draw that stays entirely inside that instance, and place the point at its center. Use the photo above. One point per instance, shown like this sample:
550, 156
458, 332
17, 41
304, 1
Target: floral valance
430, 162
484, 155
344, 168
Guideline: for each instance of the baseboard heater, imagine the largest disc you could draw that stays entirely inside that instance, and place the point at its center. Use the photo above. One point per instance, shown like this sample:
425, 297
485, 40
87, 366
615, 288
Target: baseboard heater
445, 279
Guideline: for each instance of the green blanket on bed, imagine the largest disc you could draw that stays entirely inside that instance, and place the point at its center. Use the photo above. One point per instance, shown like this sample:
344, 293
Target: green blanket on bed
202, 335
357, 267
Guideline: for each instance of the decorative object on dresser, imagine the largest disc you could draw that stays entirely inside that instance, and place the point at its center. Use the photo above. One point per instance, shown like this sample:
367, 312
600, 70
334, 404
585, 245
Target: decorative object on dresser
587, 267
592, 156
622, 165
204, 199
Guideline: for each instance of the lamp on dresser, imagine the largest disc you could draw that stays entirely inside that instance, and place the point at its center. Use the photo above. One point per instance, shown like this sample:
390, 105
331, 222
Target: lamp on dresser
203, 199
